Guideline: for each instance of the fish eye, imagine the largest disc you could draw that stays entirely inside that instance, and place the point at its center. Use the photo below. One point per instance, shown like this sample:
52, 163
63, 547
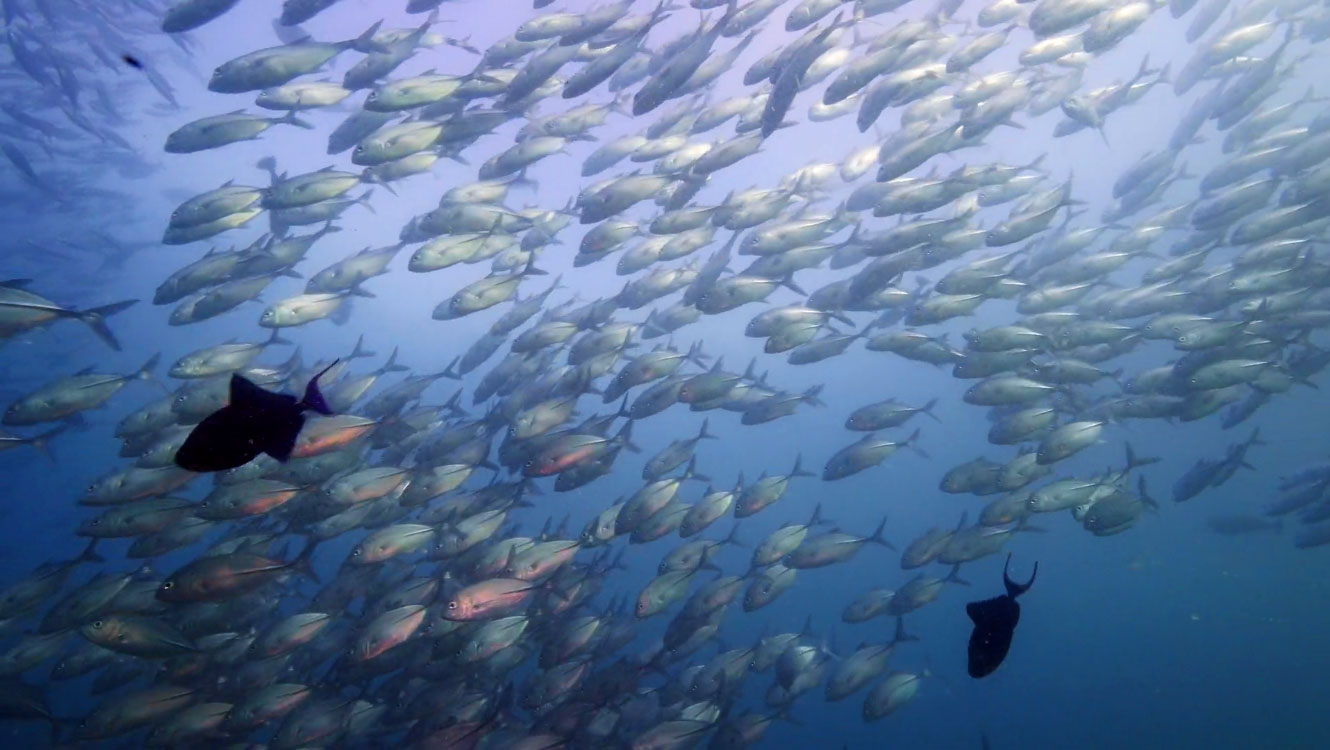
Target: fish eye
168, 585
452, 605
97, 625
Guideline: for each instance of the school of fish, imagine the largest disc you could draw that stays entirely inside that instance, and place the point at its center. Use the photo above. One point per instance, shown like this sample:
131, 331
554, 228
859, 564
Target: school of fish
1193, 297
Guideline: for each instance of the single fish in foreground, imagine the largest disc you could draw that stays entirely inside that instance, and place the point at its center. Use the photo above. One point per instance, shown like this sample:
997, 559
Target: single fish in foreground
994, 623
254, 421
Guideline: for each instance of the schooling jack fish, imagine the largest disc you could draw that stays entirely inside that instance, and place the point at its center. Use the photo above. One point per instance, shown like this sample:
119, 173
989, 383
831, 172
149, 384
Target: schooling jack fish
994, 623
254, 421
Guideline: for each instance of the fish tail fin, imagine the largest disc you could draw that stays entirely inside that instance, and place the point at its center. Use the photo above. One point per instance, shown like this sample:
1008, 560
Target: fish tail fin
911, 443
927, 410
391, 365
813, 395
314, 399
877, 537
1015, 589
798, 470
292, 362
364, 201
901, 636
788, 283
276, 338
691, 471
96, 320
955, 576
145, 372
450, 371
89, 553
1145, 494
304, 562
625, 437
1135, 462
733, 537
703, 434
365, 42
522, 181
816, 518
359, 351
1255, 438
290, 119
42, 442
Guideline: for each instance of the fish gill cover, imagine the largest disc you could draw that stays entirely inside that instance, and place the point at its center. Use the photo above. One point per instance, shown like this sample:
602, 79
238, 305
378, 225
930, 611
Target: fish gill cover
681, 367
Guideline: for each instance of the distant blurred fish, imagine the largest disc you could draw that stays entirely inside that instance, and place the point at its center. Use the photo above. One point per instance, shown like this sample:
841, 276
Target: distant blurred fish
21, 310
1241, 525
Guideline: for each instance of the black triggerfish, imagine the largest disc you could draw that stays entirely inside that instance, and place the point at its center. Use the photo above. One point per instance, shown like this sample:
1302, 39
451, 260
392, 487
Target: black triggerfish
255, 421
994, 623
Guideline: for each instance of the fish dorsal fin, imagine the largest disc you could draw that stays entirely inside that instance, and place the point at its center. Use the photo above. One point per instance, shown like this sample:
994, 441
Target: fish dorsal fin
244, 391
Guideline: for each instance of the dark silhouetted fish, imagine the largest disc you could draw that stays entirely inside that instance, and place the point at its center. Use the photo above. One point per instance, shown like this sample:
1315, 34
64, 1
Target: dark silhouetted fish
255, 421
994, 622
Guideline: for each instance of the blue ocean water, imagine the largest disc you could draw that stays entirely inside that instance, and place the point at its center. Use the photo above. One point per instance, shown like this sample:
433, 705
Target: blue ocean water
1167, 635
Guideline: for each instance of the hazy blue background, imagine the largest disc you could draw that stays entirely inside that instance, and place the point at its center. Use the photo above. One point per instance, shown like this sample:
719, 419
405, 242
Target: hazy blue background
1165, 636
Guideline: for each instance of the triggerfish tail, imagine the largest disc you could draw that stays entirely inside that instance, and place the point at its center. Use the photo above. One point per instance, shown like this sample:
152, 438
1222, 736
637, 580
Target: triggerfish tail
313, 399
1016, 589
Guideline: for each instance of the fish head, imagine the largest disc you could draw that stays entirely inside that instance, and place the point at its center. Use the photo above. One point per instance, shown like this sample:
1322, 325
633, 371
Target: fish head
104, 630
169, 591
459, 608
108, 487
90, 527
15, 413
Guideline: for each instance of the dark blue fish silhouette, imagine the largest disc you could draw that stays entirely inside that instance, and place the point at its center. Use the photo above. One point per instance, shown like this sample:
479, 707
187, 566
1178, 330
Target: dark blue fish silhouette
255, 421
994, 623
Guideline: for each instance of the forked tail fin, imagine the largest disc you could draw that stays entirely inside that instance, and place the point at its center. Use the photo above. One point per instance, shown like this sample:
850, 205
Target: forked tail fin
1016, 589
313, 399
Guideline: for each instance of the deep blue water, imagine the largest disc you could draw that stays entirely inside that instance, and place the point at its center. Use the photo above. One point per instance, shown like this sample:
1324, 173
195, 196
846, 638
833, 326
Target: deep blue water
1167, 635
